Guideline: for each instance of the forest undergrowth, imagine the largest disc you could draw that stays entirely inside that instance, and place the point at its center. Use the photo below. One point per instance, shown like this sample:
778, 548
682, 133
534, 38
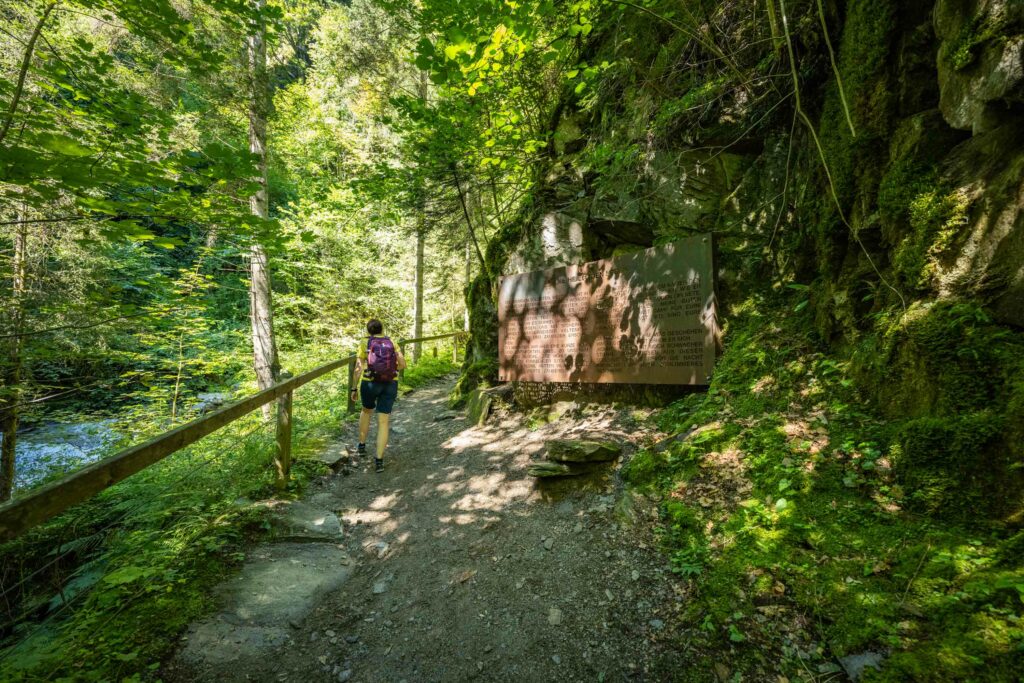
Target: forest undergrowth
783, 508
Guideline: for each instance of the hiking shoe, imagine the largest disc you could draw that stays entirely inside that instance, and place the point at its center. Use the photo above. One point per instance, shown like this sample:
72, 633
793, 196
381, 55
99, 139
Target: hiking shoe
361, 449
378, 464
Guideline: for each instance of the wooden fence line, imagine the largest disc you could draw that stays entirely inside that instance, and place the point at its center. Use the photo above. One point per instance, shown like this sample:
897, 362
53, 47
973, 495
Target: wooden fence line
20, 515
402, 343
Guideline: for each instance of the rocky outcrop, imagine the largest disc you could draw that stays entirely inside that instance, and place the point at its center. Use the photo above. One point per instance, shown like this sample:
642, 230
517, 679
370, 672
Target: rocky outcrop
986, 257
981, 62
895, 208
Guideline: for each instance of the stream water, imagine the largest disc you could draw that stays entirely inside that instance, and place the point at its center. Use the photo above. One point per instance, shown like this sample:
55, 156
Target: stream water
55, 448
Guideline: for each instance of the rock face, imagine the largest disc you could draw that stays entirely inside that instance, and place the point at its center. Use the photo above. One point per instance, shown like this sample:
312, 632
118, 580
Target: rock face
981, 61
565, 450
988, 174
910, 242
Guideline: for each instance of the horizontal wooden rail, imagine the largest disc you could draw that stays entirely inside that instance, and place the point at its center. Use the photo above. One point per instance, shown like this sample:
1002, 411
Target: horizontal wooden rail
19, 515
403, 342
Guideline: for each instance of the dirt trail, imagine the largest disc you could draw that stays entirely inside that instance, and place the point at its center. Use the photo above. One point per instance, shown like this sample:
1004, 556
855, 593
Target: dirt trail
458, 566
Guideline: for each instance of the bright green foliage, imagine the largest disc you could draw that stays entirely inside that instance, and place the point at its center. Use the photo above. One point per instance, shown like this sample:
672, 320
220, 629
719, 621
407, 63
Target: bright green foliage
838, 484
428, 368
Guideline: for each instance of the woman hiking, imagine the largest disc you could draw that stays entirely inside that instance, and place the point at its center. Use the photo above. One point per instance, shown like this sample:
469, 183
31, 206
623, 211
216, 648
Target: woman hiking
377, 367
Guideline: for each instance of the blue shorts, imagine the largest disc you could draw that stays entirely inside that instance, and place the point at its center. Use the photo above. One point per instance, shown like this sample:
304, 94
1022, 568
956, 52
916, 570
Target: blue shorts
379, 395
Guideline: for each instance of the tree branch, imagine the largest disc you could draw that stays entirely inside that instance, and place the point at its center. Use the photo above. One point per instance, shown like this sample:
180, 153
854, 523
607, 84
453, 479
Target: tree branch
469, 223
20, 87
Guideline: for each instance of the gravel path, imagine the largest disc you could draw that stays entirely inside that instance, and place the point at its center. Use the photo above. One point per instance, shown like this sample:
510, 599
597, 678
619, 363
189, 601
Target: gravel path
459, 566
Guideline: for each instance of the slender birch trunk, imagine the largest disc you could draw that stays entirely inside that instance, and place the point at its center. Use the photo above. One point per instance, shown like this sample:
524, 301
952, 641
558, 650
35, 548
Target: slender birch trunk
261, 316
421, 230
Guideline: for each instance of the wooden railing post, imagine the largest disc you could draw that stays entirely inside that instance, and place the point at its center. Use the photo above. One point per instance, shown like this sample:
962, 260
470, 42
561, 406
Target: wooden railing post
283, 452
401, 347
351, 384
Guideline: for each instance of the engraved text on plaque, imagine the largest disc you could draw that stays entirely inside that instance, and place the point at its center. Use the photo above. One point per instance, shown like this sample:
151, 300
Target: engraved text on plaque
646, 318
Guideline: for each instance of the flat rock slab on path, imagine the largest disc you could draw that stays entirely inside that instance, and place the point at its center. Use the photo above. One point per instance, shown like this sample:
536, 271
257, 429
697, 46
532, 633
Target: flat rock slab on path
277, 586
454, 565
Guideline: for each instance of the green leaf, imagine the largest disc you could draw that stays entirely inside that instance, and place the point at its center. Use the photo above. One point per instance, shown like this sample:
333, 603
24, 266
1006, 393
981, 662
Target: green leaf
62, 144
125, 575
425, 47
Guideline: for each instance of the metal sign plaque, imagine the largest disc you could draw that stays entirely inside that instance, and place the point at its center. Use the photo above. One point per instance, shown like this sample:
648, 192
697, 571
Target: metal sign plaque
646, 318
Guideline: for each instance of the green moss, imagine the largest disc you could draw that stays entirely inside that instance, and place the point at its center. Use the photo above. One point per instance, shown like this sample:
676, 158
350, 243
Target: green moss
942, 463
912, 194
479, 373
824, 533
980, 29
853, 161
646, 469
949, 378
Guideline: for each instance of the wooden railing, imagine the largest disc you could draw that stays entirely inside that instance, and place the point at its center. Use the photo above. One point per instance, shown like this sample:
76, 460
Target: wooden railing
46, 502
456, 336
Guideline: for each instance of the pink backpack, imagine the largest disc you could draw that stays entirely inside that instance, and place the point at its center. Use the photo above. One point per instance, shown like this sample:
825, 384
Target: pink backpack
381, 359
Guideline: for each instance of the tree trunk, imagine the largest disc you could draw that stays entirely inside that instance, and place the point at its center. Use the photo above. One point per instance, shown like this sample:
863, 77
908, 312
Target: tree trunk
469, 280
26, 61
421, 228
417, 308
264, 346
10, 364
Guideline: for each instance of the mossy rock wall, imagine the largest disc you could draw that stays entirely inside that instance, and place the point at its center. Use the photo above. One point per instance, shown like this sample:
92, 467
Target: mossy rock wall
907, 242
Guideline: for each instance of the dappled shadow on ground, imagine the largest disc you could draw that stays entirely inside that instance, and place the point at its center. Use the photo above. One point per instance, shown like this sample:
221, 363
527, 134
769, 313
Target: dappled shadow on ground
465, 568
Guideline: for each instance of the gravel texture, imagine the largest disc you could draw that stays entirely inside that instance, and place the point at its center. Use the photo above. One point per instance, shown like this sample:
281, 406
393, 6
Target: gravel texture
459, 565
